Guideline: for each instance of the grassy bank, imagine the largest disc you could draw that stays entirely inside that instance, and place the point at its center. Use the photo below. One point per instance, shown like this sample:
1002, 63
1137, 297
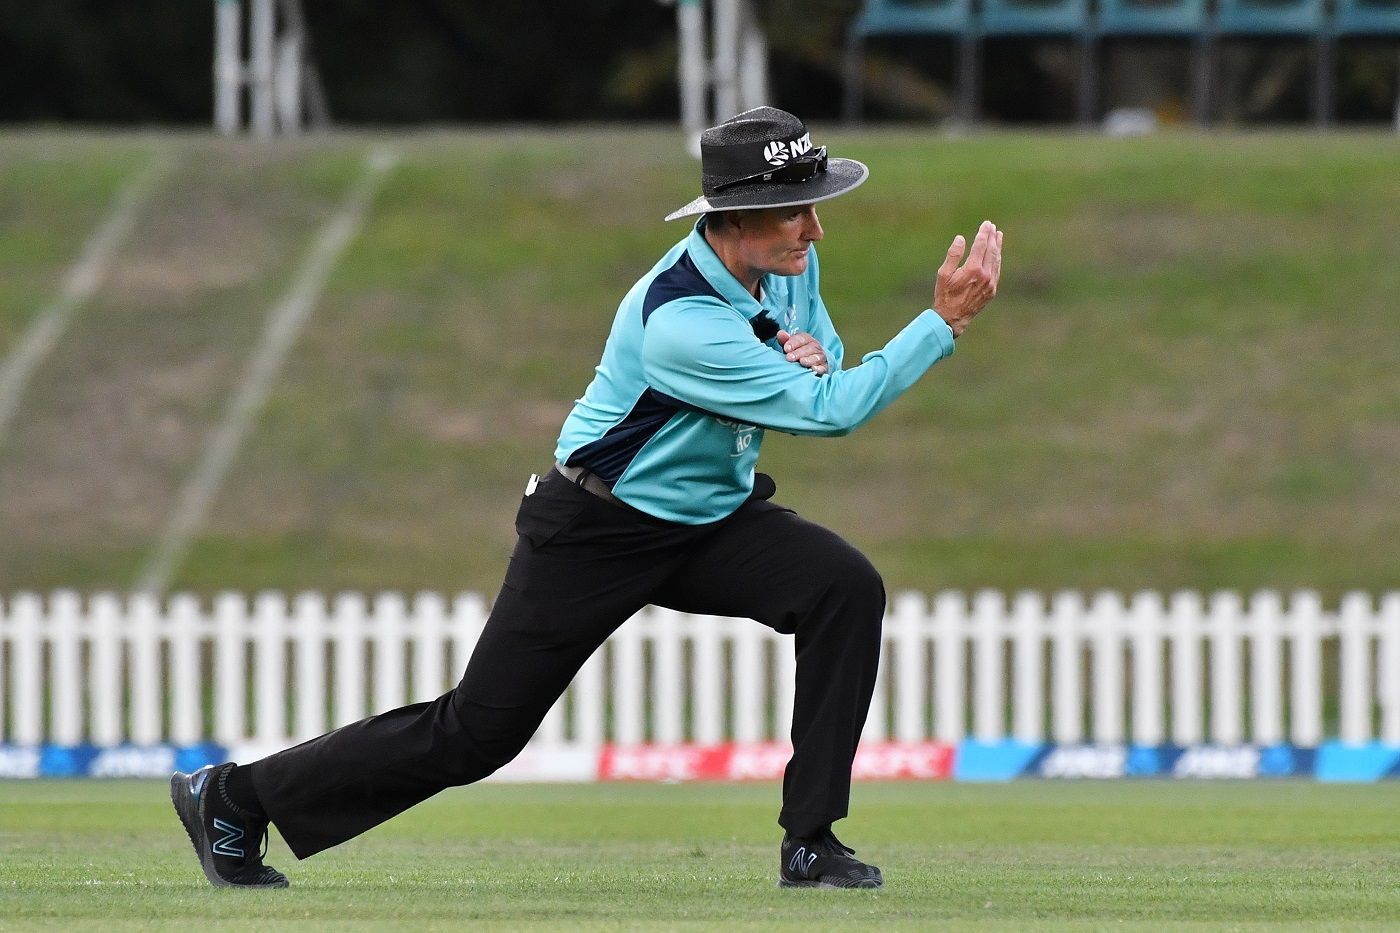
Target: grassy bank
1188, 380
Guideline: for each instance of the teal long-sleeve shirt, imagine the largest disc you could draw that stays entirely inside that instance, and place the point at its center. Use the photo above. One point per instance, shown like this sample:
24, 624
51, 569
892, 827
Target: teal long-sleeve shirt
691, 376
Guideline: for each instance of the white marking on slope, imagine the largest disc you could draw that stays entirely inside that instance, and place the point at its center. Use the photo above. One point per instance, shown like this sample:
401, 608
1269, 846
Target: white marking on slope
284, 324
79, 285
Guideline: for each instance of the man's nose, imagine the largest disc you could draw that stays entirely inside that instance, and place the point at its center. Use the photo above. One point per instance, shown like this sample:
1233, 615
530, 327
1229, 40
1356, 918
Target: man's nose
813, 231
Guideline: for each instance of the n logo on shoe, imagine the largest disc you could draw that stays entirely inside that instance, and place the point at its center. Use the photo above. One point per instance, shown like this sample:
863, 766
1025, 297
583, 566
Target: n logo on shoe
801, 860
225, 843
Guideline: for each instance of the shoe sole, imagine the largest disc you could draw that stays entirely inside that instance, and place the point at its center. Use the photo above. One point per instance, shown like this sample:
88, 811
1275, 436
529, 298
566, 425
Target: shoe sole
188, 809
785, 883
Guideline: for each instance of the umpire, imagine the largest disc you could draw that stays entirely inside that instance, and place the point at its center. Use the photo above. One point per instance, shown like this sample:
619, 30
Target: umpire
654, 499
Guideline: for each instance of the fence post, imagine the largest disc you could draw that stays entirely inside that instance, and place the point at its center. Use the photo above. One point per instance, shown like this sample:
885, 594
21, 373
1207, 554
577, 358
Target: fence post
1388, 668
1355, 617
784, 684
1225, 692
949, 634
270, 654
66, 680
628, 725
1028, 681
1266, 667
1105, 616
468, 619
1066, 613
309, 621
1307, 669
348, 614
186, 703
988, 695
25, 614
709, 681
911, 681
107, 725
429, 616
748, 681
230, 617
667, 677
390, 628
588, 702
1185, 614
1146, 617
143, 647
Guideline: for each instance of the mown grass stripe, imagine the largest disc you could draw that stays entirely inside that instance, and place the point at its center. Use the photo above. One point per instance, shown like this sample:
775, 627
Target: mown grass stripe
284, 324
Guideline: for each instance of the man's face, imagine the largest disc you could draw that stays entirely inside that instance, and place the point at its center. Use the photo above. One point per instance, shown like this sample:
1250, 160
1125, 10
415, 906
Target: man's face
777, 239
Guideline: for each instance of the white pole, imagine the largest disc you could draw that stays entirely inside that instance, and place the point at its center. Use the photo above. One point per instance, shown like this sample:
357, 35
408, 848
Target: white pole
1105, 617
1028, 682
668, 703
1266, 667
1355, 649
1066, 614
264, 26
1145, 618
726, 61
709, 675
1306, 724
186, 721
228, 67
309, 620
753, 62
748, 683
66, 680
287, 83
989, 696
1185, 613
26, 652
348, 625
910, 682
1225, 670
950, 627
690, 26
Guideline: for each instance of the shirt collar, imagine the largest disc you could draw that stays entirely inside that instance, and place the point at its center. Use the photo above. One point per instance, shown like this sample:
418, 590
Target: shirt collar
719, 276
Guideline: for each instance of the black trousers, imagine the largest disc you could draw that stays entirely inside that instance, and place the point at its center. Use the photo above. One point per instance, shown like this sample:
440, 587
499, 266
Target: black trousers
581, 567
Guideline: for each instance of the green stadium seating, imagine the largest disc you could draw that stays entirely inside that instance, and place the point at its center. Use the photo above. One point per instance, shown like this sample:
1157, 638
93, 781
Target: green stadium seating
1034, 18
1269, 17
1367, 18
914, 17
1151, 17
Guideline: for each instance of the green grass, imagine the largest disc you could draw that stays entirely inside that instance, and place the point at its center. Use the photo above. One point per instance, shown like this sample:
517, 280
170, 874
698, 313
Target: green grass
1129, 855
1187, 381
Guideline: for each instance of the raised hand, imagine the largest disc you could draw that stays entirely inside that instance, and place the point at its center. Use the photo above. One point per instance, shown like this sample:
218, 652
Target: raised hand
962, 291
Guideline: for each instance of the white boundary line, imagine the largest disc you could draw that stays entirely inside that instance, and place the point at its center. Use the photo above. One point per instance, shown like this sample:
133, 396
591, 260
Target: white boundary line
79, 285
284, 324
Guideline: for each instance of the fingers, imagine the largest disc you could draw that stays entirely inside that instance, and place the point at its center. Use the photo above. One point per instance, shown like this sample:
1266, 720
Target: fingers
783, 337
994, 260
977, 256
955, 254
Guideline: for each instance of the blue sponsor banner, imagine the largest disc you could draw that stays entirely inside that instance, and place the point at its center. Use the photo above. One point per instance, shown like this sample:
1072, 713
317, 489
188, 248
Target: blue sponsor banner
1004, 761
1370, 762
993, 761
131, 761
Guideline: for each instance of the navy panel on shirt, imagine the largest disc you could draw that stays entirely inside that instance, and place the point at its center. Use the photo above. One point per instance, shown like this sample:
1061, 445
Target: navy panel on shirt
682, 280
609, 456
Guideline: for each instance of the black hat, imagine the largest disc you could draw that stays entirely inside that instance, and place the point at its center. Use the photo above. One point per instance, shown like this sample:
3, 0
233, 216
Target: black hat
765, 158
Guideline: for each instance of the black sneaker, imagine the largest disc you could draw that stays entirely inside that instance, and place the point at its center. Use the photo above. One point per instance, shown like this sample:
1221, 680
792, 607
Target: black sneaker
823, 861
230, 842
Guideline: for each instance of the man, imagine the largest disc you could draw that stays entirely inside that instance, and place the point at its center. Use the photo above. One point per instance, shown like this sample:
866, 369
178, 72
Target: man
654, 499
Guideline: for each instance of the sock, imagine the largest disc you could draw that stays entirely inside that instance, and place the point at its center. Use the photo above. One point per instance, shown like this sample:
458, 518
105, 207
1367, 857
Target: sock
236, 786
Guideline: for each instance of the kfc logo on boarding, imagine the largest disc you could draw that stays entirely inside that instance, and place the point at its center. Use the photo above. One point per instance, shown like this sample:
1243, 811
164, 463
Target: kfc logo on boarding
781, 153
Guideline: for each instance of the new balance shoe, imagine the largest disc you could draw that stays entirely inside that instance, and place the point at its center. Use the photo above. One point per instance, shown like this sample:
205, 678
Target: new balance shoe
823, 861
229, 841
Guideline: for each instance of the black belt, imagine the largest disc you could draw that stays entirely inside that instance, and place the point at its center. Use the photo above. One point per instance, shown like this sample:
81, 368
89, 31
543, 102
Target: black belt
586, 479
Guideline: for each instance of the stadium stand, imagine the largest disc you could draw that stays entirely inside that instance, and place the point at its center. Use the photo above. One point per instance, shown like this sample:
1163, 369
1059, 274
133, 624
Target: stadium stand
1204, 23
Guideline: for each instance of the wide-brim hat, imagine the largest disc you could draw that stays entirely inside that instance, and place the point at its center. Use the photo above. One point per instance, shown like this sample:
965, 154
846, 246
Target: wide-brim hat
765, 158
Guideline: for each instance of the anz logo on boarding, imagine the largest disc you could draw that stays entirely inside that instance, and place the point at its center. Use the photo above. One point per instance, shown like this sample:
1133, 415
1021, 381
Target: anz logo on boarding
743, 436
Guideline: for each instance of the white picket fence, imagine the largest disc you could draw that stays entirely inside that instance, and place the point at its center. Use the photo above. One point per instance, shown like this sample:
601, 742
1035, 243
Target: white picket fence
109, 670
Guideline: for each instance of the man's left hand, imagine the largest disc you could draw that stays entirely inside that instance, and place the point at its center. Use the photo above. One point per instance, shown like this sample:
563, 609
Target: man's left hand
804, 349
